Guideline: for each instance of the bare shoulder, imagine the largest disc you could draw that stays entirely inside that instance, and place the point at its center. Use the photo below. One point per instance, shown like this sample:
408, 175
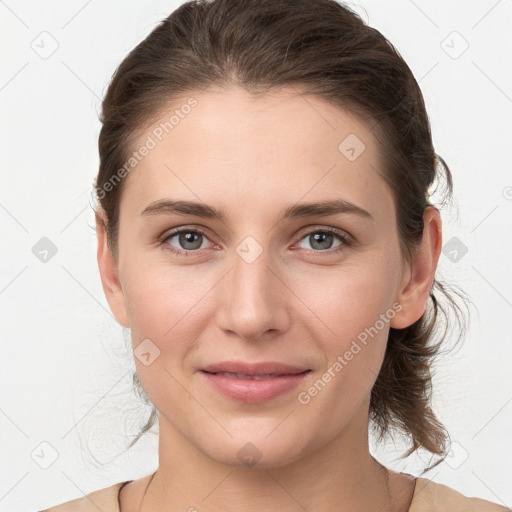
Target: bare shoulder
431, 496
103, 499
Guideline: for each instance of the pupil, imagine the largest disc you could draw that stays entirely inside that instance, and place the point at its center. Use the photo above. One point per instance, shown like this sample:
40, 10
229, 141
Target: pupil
189, 238
321, 238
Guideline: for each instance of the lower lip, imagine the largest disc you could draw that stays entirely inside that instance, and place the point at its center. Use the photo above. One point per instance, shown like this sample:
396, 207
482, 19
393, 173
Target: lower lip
253, 391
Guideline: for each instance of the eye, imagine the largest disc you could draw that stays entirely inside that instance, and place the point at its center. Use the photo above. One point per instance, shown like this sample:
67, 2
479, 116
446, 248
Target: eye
321, 240
188, 241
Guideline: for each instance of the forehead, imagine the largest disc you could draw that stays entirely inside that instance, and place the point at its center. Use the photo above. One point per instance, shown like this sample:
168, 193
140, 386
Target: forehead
229, 147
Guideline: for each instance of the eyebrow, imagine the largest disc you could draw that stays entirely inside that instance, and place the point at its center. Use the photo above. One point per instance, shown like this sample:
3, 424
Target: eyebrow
322, 208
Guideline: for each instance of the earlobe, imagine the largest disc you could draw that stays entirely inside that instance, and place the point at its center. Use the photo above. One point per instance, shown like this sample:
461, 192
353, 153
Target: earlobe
417, 284
109, 273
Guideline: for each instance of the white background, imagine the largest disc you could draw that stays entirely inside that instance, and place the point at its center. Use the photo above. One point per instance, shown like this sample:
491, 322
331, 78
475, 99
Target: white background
65, 371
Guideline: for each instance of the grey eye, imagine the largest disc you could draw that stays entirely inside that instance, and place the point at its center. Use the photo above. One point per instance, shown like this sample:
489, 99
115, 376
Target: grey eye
321, 241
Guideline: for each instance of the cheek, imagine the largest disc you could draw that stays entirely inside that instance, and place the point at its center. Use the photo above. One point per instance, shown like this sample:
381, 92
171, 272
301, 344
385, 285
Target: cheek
172, 307
343, 301
353, 340
167, 307
348, 314
162, 299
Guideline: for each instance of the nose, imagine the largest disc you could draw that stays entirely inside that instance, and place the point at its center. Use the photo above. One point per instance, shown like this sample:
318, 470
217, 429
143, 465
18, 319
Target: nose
253, 303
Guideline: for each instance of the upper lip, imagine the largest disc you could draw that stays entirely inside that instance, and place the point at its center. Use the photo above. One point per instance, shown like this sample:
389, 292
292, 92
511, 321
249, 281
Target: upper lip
263, 368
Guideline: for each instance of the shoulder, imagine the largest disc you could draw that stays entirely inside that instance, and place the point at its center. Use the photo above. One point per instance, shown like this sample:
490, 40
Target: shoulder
431, 496
103, 499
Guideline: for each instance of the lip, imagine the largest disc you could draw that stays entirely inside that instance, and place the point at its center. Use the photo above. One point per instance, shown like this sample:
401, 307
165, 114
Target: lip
263, 368
282, 378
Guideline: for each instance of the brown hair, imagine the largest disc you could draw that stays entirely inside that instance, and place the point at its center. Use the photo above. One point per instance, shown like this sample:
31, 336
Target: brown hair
329, 51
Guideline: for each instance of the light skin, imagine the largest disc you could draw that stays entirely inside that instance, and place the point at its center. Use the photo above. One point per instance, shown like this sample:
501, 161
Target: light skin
299, 302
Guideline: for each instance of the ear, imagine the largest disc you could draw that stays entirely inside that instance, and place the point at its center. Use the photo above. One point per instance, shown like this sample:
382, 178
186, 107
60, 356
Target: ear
109, 272
419, 275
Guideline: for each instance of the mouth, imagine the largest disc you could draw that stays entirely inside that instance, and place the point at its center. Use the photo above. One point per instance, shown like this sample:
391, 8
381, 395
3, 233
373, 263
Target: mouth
263, 368
245, 376
253, 389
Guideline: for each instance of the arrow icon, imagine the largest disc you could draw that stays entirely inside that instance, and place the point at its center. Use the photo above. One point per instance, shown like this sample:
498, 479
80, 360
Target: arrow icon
146, 352
44, 250
455, 249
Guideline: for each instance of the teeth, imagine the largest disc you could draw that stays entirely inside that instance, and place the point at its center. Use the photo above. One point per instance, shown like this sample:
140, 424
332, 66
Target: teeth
246, 377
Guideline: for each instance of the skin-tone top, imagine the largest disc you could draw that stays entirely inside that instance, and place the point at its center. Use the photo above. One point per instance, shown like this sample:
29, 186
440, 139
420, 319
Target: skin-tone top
428, 496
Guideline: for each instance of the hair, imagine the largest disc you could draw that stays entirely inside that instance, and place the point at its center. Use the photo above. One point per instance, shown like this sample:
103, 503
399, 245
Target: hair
329, 51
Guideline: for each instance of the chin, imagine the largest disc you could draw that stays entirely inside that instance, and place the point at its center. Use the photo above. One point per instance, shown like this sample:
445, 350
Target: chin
254, 451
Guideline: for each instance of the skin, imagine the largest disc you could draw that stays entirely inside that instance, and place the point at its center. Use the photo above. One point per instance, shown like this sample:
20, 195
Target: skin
296, 303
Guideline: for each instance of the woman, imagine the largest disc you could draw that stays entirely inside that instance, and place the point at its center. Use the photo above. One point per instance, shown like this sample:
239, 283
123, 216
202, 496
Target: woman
266, 233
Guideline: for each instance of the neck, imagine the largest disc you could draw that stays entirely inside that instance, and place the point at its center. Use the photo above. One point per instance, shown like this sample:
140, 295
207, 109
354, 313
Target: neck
340, 475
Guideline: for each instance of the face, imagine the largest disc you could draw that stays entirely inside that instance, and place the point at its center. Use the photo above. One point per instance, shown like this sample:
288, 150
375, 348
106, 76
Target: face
317, 291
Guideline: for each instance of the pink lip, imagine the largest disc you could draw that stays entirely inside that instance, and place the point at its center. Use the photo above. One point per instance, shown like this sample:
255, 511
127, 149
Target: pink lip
253, 391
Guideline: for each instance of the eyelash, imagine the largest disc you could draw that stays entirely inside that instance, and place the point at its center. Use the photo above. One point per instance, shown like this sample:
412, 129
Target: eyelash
346, 241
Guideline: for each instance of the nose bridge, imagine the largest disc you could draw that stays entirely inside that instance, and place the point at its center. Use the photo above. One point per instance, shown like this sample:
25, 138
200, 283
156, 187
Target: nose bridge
251, 272
253, 302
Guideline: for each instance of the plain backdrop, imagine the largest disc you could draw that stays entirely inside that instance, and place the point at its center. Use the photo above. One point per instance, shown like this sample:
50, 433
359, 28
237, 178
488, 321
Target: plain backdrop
67, 409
